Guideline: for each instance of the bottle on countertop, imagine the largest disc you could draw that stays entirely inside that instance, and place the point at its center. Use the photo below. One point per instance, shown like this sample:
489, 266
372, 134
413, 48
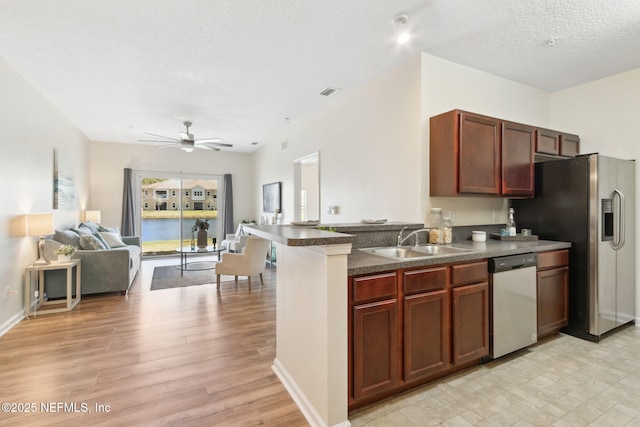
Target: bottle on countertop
511, 223
435, 226
447, 229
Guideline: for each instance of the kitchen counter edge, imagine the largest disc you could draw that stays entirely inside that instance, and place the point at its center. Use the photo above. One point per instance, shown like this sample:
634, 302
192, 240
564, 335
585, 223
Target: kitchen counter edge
298, 236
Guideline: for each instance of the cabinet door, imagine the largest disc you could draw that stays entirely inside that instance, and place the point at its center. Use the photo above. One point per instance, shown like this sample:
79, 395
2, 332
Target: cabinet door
426, 334
479, 171
569, 145
553, 292
470, 322
547, 141
518, 143
375, 348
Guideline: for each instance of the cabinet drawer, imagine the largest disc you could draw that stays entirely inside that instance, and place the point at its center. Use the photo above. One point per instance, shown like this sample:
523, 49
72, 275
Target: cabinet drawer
474, 272
553, 259
370, 288
432, 279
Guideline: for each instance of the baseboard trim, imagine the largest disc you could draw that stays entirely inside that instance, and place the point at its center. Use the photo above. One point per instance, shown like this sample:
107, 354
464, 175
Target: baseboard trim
301, 400
9, 324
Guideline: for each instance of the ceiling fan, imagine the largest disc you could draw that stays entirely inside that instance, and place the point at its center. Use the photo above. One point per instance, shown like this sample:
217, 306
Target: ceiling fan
187, 141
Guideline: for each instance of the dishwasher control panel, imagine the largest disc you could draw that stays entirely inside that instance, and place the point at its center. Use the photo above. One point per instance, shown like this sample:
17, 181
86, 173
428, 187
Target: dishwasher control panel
512, 262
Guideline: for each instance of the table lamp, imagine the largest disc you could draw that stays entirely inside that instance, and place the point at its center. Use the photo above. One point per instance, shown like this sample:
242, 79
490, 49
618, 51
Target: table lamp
92, 216
40, 225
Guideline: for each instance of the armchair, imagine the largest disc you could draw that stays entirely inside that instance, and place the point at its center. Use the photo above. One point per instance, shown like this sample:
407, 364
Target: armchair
249, 263
234, 242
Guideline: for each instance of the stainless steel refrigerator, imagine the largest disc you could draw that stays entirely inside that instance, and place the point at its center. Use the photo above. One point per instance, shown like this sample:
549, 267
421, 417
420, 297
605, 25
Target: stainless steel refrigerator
590, 202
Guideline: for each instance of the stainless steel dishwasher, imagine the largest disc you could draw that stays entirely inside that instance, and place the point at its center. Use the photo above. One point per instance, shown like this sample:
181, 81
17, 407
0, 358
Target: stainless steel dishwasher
514, 308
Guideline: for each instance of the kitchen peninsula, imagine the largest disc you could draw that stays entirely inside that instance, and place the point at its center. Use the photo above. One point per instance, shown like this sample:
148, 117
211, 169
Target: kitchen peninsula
314, 270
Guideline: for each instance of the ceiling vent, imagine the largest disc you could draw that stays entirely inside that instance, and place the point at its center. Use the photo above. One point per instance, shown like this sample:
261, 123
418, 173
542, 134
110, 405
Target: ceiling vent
328, 91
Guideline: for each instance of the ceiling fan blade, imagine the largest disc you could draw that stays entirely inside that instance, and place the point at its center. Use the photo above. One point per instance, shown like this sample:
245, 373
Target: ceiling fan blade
219, 144
208, 140
155, 140
170, 146
162, 136
207, 147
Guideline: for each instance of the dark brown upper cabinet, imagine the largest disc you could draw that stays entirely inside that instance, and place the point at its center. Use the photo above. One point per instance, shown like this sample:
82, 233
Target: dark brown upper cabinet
471, 154
554, 143
518, 142
547, 142
569, 145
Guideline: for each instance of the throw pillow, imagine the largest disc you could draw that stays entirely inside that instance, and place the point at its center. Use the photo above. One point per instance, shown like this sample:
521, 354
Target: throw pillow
112, 239
91, 226
90, 242
109, 229
104, 242
67, 237
82, 229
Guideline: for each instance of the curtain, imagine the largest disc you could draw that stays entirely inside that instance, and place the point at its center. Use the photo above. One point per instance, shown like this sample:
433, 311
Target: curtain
128, 221
228, 226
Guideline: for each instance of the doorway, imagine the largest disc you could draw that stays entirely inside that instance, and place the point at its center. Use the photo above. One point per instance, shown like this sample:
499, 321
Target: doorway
307, 187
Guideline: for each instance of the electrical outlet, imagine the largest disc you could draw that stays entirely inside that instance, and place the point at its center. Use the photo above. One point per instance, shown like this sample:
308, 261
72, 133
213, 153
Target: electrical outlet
36, 294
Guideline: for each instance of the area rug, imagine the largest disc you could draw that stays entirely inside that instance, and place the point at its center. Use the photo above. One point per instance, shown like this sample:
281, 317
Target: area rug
168, 276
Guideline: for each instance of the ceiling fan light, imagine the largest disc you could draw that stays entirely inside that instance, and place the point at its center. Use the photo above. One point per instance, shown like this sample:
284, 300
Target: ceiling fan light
187, 149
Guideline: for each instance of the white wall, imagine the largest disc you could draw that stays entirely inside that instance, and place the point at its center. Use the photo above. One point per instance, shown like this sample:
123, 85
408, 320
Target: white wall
369, 152
108, 161
31, 129
605, 114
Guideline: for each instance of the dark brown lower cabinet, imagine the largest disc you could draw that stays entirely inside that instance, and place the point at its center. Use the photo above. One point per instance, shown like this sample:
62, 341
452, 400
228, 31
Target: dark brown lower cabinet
426, 334
410, 326
552, 291
470, 322
375, 348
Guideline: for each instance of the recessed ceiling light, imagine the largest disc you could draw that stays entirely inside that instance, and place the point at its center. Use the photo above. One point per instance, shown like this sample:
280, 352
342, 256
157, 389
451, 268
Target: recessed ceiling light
401, 27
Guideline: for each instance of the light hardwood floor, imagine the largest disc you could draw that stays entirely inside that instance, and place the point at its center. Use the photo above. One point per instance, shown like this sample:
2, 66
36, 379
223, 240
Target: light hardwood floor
179, 357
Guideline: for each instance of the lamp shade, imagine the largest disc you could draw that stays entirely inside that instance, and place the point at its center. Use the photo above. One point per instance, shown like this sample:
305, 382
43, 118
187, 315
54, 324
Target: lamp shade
93, 216
40, 224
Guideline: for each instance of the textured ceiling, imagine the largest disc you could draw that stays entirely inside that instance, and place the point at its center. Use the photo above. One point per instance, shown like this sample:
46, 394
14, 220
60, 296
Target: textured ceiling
238, 68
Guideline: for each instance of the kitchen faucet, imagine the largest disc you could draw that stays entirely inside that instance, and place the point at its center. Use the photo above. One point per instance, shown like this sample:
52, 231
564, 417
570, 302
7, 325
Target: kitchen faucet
401, 240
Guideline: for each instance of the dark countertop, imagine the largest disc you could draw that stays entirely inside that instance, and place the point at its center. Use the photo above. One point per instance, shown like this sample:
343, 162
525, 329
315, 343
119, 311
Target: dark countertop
360, 262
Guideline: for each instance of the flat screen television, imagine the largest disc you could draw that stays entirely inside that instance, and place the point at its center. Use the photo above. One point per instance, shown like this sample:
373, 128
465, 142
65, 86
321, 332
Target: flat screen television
271, 199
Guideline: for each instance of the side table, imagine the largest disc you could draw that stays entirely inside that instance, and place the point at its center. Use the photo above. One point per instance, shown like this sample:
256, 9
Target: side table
40, 269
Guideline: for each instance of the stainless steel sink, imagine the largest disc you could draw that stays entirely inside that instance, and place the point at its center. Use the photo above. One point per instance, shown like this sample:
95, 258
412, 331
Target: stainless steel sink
396, 252
406, 252
439, 250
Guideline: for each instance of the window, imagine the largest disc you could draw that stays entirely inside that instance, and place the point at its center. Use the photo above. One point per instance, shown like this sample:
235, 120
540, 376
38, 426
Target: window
186, 193
146, 205
208, 193
173, 193
186, 205
197, 193
161, 194
146, 193
173, 205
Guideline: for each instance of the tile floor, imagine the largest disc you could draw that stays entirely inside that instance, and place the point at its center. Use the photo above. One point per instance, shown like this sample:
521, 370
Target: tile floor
562, 381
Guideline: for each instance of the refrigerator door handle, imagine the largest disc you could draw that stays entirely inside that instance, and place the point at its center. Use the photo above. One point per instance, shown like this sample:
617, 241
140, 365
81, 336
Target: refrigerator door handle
619, 238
